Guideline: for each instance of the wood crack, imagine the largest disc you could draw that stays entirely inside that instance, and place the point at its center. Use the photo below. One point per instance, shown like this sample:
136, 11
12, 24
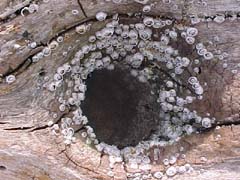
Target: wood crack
81, 7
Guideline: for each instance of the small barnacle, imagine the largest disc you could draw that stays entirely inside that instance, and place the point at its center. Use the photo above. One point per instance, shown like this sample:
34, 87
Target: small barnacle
181, 169
32, 45
201, 52
81, 29
172, 160
195, 20
52, 86
178, 70
146, 8
61, 71
53, 45
35, 58
50, 123
185, 61
166, 162
171, 171
46, 51
142, 1
92, 39
190, 40
199, 46
148, 21
75, 12
58, 77
168, 22
208, 55
60, 39
206, 122
219, 18
117, 1
101, 16
192, 32
24, 10
173, 34
164, 40
32, 8
10, 79
192, 80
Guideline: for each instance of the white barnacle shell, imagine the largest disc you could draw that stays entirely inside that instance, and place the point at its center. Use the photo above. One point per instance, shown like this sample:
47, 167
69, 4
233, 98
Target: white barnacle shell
201, 52
169, 84
46, 51
190, 40
107, 32
166, 1
182, 169
192, 80
178, 70
117, 1
60, 39
185, 61
192, 32
171, 171
92, 39
195, 20
84, 134
52, 86
32, 8
142, 1
166, 162
84, 120
146, 8
133, 34
158, 175
145, 34
23, 11
81, 29
206, 122
35, 58
71, 101
208, 55
173, 34
99, 64
33, 45
139, 26
169, 65
199, 90
199, 46
53, 45
172, 159
164, 40
10, 79
58, 77
101, 16
61, 70
219, 18
148, 21
75, 12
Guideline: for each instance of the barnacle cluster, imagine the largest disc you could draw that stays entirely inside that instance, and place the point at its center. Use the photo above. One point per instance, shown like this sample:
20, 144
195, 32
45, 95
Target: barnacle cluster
148, 50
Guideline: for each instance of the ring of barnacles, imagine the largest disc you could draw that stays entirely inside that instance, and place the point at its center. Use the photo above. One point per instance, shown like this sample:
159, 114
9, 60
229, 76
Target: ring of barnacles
148, 48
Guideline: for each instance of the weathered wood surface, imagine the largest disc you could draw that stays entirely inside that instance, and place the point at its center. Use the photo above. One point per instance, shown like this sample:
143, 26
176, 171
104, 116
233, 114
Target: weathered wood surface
27, 148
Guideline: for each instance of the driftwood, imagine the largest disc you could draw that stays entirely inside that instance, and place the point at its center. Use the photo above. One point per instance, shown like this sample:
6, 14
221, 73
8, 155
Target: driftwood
29, 151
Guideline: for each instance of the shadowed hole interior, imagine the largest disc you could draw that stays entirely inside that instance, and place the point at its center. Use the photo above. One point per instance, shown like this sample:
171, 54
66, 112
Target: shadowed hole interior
121, 110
